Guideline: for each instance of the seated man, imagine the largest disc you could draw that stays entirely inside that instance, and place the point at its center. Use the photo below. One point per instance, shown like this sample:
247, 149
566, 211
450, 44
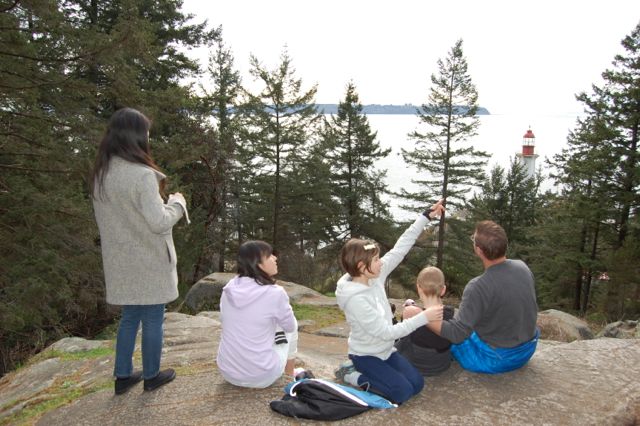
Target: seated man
494, 329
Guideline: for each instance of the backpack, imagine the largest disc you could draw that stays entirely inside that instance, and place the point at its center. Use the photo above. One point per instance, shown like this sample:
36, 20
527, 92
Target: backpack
319, 399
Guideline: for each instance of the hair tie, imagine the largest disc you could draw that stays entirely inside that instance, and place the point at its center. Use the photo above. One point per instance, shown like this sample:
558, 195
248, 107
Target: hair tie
369, 246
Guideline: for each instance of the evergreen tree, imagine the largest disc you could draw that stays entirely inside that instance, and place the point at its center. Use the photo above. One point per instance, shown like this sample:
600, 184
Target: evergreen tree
509, 199
583, 172
312, 214
65, 66
614, 108
450, 166
280, 120
352, 150
213, 189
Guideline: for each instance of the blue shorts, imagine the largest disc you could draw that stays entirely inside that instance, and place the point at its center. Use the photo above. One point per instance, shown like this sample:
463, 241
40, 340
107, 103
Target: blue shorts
475, 355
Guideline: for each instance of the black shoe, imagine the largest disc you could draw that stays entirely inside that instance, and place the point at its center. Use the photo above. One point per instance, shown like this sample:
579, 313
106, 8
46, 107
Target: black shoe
164, 377
123, 385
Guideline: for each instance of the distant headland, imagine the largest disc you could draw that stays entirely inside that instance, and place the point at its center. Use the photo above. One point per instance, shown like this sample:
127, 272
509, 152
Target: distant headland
390, 109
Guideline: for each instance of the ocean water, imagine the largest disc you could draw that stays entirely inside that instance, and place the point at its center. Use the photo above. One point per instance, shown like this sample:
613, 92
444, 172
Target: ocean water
499, 135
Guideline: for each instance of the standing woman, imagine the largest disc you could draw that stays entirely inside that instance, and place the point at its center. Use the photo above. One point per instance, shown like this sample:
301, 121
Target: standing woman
259, 331
138, 254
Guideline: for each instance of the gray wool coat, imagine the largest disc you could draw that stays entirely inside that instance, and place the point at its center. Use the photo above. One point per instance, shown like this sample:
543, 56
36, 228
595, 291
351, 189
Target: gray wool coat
135, 225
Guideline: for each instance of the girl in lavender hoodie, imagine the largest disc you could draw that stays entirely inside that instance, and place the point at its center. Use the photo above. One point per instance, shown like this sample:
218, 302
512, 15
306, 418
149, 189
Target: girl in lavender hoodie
259, 332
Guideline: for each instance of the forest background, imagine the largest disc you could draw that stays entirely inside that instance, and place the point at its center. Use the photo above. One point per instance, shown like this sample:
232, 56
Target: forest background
266, 164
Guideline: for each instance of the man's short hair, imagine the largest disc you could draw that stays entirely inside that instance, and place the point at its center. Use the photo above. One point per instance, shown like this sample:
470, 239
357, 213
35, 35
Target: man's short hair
431, 281
491, 239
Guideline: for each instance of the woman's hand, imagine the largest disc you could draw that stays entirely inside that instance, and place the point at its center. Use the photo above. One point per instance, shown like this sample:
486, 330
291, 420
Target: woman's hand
435, 211
434, 313
177, 197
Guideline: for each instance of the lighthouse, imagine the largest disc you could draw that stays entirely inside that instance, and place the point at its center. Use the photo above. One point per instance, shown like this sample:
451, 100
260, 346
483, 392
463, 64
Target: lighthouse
528, 157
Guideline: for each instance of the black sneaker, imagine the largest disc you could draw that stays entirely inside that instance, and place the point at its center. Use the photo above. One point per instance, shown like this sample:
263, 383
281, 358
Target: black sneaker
164, 377
123, 385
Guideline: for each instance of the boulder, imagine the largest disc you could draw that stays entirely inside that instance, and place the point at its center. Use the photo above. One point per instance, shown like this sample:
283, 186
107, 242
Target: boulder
205, 294
300, 294
621, 329
563, 327
77, 344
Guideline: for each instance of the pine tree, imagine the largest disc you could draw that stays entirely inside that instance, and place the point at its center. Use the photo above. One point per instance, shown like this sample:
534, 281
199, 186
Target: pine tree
615, 105
280, 120
64, 67
583, 172
352, 150
509, 199
213, 192
451, 168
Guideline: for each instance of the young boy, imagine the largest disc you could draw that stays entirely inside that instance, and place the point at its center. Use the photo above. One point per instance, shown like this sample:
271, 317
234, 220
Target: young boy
427, 351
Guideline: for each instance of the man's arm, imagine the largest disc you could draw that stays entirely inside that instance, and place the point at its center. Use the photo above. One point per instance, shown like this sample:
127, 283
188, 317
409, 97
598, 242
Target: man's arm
461, 326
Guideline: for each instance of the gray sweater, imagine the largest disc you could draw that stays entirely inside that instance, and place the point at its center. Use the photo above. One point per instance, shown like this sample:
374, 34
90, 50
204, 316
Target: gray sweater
499, 305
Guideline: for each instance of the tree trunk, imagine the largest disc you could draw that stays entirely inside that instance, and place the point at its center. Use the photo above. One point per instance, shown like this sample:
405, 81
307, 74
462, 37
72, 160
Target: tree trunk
276, 192
222, 247
351, 196
592, 257
440, 254
579, 270
630, 181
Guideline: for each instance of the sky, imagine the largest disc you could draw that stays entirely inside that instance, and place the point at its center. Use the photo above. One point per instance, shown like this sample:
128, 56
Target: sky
524, 57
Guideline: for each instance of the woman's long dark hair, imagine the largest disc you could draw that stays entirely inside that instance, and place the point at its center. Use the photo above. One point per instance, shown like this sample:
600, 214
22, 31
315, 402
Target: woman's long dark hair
127, 136
250, 254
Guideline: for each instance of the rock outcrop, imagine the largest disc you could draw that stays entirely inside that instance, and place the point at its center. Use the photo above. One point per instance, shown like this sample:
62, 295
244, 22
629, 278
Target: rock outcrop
622, 330
586, 382
205, 294
562, 327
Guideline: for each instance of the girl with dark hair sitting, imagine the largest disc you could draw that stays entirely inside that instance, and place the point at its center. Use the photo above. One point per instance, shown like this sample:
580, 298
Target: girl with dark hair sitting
259, 331
138, 254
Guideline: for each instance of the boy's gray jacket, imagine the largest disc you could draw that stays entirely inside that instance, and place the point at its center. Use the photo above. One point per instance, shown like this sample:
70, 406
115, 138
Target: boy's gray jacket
135, 225
367, 308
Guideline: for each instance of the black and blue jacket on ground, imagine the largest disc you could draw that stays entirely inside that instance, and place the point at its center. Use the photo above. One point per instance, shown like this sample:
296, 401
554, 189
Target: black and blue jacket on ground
319, 399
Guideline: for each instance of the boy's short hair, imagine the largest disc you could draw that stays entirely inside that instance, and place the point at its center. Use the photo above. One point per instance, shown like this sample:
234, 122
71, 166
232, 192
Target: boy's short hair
431, 281
355, 251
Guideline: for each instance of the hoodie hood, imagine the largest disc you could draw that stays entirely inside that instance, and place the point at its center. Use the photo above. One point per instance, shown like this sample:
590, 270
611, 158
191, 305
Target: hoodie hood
243, 291
346, 289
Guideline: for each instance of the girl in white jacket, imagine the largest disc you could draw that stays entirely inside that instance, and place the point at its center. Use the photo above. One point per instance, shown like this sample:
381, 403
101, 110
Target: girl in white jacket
360, 294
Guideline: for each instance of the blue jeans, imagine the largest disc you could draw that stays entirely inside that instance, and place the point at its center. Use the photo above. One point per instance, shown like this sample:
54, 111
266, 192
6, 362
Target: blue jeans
394, 378
152, 317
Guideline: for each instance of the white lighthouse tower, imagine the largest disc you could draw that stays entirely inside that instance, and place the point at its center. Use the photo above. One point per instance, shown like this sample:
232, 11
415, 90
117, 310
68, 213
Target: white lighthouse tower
528, 157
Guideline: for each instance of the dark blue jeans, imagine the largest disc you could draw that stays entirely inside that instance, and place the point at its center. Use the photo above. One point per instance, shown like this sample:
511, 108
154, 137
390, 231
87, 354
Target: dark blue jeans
395, 378
151, 317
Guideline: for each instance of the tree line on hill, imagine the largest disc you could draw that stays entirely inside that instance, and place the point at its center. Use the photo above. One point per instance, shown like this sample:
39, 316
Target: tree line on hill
406, 109
268, 165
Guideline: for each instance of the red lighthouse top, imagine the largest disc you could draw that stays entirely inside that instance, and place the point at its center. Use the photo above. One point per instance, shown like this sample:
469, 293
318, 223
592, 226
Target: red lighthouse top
529, 135
528, 142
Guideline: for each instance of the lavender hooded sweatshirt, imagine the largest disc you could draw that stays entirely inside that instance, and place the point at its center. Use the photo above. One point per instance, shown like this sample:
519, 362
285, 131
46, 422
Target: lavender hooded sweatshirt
250, 313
